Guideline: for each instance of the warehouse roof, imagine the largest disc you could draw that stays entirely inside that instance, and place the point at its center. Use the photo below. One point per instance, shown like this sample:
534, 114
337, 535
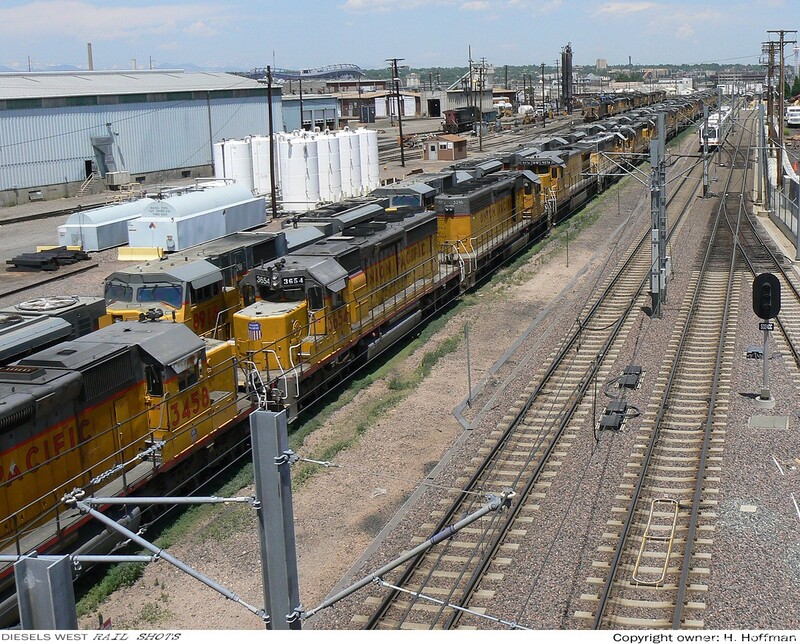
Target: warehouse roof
21, 85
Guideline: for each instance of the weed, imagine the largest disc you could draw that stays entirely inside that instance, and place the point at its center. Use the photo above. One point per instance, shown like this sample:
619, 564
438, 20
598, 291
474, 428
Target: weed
119, 576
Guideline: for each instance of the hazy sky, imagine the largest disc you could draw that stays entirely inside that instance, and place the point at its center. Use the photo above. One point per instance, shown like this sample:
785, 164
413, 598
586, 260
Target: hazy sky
426, 33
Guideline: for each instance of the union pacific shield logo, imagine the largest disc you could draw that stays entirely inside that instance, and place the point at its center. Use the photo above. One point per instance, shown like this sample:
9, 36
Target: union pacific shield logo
253, 331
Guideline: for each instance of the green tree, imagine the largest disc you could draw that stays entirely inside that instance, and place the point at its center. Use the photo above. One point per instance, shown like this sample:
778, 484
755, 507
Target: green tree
796, 86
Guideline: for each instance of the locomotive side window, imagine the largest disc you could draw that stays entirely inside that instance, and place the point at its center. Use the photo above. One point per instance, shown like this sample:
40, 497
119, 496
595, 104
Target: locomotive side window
155, 383
205, 293
316, 299
188, 377
248, 294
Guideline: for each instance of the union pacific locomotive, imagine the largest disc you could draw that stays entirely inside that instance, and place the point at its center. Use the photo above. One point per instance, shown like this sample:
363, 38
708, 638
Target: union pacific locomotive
114, 410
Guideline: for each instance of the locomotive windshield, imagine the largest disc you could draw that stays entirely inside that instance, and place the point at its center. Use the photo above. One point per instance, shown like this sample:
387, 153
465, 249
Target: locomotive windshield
120, 292
169, 294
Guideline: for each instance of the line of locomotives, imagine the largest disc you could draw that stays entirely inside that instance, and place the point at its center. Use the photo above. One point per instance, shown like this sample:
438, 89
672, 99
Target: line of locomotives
593, 108
142, 403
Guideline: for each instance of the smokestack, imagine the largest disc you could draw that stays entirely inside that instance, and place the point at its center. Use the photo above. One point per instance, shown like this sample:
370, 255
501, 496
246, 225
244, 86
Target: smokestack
133, 64
89, 50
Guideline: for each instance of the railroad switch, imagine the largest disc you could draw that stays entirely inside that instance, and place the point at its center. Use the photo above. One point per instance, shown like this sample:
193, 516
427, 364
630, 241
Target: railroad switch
631, 377
614, 415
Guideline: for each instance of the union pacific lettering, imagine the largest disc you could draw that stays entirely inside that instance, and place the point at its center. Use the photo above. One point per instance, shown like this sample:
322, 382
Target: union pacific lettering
55, 442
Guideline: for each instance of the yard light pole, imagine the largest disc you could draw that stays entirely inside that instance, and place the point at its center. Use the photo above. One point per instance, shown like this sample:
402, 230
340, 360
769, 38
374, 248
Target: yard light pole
544, 118
396, 78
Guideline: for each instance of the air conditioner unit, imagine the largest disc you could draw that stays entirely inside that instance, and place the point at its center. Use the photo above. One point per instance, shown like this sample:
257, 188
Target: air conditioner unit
119, 178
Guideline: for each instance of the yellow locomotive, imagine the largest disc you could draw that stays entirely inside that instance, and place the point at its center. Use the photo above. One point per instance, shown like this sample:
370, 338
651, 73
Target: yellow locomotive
105, 412
314, 314
195, 287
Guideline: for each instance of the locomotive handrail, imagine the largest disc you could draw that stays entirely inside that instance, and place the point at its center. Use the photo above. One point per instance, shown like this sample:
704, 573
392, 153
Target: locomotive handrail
235, 307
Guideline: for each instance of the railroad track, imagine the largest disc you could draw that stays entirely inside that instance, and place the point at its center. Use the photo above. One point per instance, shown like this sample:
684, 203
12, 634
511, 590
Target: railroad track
523, 454
654, 563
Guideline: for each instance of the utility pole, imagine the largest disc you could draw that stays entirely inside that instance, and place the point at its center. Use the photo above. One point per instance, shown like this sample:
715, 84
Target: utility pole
301, 103
544, 109
558, 84
769, 49
658, 210
471, 95
273, 147
781, 91
396, 77
705, 150
480, 108
719, 121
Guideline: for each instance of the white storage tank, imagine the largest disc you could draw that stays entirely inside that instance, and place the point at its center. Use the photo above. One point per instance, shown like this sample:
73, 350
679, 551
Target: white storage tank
196, 216
299, 184
233, 160
373, 163
312, 185
101, 228
345, 164
330, 167
350, 149
363, 148
261, 151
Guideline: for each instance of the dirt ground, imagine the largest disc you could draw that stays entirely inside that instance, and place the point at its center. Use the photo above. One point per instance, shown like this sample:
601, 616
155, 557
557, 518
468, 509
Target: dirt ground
339, 511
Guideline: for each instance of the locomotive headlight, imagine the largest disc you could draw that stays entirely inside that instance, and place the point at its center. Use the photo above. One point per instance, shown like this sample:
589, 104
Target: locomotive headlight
276, 280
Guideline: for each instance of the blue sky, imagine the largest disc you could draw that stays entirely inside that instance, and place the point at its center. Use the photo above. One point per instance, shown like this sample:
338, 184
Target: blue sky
426, 33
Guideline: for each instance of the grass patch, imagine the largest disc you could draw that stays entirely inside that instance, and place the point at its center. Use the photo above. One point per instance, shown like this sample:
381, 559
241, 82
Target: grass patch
125, 575
119, 576
399, 388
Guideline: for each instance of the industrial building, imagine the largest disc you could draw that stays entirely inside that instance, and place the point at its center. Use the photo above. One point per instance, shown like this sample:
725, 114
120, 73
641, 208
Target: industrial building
61, 131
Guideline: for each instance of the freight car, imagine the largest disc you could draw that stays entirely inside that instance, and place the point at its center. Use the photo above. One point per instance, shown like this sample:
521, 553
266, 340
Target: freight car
461, 119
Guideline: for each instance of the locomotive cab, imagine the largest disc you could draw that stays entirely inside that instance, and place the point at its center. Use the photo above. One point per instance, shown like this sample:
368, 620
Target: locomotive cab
189, 292
293, 312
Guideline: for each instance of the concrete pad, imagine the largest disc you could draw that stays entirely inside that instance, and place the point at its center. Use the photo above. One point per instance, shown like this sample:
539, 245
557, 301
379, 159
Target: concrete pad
768, 422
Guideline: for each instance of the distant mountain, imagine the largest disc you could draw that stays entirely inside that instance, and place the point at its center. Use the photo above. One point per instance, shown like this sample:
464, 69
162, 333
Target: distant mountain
189, 67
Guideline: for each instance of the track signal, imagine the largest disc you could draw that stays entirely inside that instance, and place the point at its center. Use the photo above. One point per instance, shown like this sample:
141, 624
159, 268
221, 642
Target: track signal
766, 296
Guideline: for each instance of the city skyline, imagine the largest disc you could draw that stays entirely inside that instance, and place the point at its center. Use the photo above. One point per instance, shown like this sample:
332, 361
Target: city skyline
425, 33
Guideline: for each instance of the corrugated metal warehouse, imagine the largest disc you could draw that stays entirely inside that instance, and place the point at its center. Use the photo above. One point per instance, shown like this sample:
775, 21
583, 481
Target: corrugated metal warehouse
155, 125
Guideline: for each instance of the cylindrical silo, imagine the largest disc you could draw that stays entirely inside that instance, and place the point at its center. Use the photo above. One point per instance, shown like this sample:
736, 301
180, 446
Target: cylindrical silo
234, 160
312, 183
363, 148
345, 163
373, 163
262, 152
351, 141
299, 186
330, 167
